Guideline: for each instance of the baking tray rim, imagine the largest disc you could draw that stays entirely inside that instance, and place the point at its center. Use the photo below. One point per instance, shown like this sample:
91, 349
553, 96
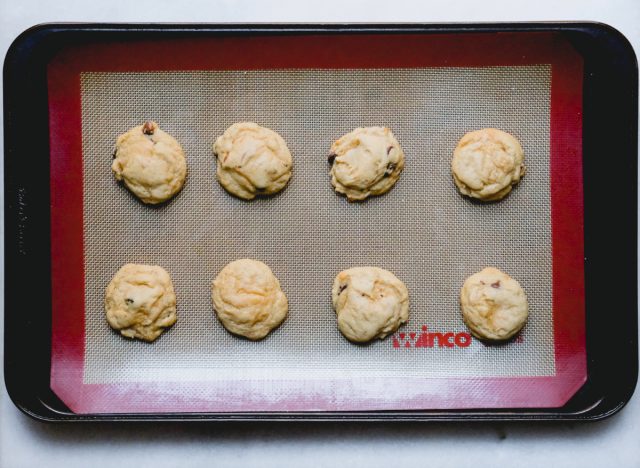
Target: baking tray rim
29, 52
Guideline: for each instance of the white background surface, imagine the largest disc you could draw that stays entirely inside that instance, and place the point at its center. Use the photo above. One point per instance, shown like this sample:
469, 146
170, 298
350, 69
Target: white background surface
27, 443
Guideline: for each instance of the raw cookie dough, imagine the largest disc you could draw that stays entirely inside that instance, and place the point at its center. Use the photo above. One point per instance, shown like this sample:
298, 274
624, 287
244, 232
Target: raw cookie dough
367, 161
150, 162
494, 306
252, 160
370, 303
487, 163
248, 300
140, 301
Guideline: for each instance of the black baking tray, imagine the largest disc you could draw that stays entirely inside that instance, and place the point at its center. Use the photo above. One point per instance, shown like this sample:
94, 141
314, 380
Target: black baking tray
610, 126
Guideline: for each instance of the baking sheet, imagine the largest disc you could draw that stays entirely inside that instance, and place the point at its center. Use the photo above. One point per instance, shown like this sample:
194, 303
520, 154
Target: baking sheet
423, 230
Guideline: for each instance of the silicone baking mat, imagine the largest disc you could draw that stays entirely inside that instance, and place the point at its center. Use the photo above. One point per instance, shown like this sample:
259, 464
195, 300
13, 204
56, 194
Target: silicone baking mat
423, 231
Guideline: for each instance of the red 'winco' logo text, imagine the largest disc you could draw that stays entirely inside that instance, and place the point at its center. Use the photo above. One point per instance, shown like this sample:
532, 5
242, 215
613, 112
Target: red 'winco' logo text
428, 339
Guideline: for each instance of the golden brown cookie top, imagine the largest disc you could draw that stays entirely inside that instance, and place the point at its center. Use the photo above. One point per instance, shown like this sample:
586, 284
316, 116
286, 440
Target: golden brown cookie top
140, 301
248, 299
365, 162
487, 163
150, 162
370, 303
494, 305
252, 160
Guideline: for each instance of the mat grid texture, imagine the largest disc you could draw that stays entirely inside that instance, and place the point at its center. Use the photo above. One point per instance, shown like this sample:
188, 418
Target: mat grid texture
422, 230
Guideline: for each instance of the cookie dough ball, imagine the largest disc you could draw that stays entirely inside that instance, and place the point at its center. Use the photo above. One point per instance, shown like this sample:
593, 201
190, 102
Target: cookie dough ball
140, 301
365, 162
150, 162
487, 163
248, 300
370, 303
494, 306
252, 160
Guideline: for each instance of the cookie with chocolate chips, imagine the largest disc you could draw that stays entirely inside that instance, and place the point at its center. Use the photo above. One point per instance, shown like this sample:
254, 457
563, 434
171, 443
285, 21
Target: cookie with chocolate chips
487, 163
252, 160
370, 303
494, 305
367, 161
248, 300
140, 301
150, 162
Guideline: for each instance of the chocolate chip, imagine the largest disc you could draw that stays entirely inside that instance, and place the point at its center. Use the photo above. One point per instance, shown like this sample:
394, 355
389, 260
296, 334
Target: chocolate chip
148, 128
390, 168
342, 288
332, 158
128, 301
496, 284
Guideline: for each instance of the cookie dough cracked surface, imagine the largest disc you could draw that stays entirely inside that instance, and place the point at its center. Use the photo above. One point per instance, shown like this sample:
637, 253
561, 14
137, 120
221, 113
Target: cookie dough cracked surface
150, 162
365, 162
140, 301
248, 300
252, 160
487, 163
370, 303
494, 305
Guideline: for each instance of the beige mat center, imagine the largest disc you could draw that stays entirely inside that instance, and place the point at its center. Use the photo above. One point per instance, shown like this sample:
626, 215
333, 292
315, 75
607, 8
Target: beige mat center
423, 230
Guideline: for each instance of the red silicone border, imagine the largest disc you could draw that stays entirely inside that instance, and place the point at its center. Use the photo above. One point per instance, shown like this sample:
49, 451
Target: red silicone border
317, 51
